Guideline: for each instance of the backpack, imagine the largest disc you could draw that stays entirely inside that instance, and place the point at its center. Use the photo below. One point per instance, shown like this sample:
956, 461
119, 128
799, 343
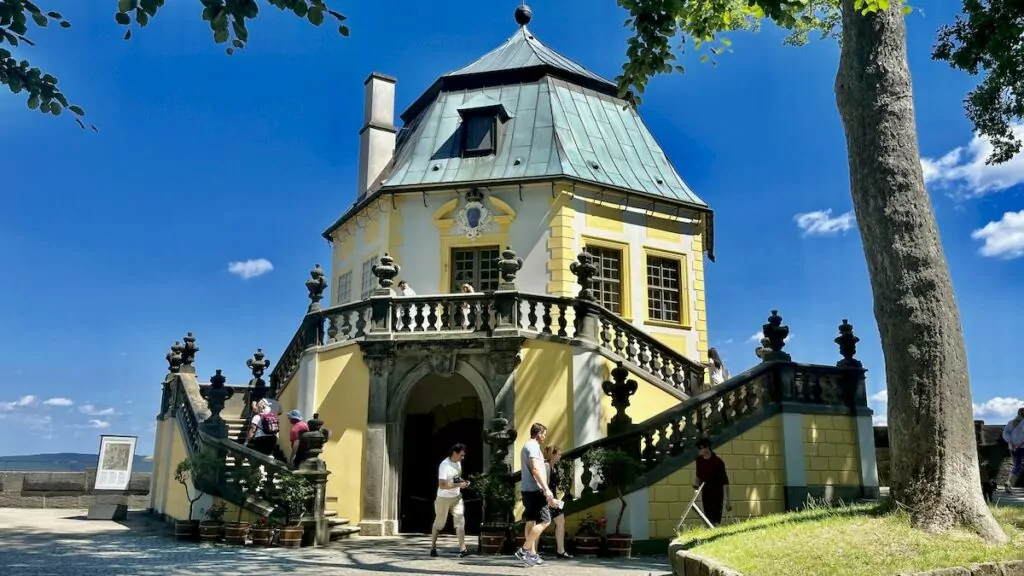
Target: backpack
269, 423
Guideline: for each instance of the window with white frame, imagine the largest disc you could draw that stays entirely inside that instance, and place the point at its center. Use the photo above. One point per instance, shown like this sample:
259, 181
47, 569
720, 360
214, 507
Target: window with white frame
369, 280
344, 288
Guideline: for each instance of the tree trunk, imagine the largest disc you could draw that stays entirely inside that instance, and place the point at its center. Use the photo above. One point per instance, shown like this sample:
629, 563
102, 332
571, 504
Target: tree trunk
934, 455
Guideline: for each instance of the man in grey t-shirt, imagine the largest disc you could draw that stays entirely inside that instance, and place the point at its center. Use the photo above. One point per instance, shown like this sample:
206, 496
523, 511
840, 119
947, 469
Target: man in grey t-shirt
537, 497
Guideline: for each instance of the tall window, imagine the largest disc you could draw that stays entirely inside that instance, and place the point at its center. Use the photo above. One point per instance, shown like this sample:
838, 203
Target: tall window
344, 288
608, 282
368, 279
663, 290
477, 267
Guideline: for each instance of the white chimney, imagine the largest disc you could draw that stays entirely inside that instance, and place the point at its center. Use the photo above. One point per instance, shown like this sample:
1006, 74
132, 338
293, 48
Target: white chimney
377, 137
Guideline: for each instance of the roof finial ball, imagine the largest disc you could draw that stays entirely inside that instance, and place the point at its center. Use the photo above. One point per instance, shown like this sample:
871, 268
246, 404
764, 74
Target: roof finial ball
523, 15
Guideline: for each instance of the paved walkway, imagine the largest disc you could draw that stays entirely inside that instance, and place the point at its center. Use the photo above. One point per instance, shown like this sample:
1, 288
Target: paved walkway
62, 543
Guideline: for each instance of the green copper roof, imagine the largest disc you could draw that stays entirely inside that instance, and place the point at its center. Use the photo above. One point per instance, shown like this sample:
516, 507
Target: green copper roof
523, 50
556, 129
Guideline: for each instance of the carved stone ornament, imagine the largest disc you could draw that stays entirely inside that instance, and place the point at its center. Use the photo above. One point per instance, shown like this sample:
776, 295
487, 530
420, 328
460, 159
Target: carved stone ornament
776, 333
380, 365
216, 395
174, 357
386, 271
847, 346
443, 363
584, 269
474, 219
500, 437
504, 362
188, 352
316, 285
258, 365
509, 264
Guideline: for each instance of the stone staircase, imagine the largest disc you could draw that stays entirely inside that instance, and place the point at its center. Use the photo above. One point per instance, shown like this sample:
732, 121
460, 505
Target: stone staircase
666, 442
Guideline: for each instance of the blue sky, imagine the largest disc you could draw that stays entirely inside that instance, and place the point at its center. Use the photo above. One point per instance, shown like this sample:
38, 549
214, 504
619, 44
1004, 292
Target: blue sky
113, 245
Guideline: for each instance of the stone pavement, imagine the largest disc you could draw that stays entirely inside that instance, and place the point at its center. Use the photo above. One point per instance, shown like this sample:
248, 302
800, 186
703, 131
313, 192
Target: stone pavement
62, 543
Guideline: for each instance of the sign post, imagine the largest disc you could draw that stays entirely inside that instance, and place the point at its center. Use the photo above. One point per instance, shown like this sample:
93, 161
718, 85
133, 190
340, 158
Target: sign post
113, 474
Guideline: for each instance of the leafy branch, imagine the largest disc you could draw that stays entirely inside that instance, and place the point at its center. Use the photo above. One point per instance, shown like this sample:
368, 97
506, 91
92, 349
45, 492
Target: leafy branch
41, 88
228, 18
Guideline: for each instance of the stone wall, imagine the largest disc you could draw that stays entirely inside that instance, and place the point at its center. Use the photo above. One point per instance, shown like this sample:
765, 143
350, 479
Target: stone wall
71, 490
686, 563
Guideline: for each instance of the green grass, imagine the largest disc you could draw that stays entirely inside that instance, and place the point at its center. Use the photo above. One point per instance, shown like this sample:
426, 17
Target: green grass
848, 541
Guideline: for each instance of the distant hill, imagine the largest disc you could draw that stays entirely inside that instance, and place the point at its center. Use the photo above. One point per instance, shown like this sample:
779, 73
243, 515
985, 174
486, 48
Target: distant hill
63, 462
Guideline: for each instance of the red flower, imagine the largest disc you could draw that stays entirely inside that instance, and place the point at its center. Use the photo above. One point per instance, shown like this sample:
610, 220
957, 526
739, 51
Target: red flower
602, 523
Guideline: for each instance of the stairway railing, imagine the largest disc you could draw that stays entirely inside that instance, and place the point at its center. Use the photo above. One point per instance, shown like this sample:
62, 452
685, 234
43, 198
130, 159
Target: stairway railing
490, 314
203, 430
666, 442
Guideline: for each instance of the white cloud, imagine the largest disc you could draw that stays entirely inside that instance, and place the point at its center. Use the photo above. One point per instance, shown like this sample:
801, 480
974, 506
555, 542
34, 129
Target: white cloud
94, 411
963, 173
821, 223
994, 410
22, 402
250, 268
59, 402
998, 409
880, 419
98, 424
1004, 238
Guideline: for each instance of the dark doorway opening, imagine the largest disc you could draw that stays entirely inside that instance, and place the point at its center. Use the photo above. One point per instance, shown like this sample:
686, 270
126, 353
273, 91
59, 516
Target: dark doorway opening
440, 413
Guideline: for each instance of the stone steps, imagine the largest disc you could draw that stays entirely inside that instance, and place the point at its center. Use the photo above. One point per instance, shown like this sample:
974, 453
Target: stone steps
340, 528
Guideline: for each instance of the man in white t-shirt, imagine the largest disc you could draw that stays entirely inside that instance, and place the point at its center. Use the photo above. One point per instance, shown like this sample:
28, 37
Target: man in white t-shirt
449, 499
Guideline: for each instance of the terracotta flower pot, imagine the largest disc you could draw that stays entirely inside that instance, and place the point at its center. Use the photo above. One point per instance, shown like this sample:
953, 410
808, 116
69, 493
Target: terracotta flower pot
291, 536
620, 545
186, 529
236, 532
209, 530
260, 536
587, 544
491, 543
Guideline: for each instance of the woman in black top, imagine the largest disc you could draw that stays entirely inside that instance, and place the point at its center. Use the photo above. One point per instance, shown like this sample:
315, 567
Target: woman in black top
552, 455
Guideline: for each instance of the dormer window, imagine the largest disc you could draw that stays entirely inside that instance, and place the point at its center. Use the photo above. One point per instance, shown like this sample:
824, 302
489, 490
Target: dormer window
483, 123
479, 135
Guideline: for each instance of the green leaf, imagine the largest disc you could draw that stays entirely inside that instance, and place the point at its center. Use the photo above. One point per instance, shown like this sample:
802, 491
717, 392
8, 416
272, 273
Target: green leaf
55, 15
77, 110
127, 5
240, 30
141, 17
343, 30
315, 16
65, 24
128, 34
300, 9
33, 102
123, 18
39, 19
907, 10
220, 36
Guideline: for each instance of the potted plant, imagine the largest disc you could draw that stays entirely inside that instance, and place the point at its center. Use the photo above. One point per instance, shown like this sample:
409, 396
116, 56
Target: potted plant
588, 537
186, 473
247, 479
210, 528
519, 534
261, 531
618, 471
293, 495
498, 495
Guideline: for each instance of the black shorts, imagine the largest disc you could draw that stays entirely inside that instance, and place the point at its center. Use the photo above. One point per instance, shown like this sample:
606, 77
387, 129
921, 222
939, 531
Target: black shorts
556, 512
535, 508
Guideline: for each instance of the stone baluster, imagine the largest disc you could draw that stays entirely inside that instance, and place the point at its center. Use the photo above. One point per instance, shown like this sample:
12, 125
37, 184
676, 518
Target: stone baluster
216, 394
587, 320
381, 303
167, 388
776, 333
506, 297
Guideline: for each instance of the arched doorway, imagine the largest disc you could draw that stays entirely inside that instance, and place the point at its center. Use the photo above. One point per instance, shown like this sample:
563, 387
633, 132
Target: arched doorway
440, 412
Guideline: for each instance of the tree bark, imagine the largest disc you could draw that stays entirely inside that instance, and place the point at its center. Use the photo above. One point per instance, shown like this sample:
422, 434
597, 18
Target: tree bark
935, 473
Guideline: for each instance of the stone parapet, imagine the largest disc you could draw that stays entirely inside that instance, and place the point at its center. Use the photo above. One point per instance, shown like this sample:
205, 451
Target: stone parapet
686, 563
72, 490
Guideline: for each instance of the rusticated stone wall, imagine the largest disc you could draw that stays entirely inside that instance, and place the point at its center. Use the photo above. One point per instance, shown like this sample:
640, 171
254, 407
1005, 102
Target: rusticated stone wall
72, 490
